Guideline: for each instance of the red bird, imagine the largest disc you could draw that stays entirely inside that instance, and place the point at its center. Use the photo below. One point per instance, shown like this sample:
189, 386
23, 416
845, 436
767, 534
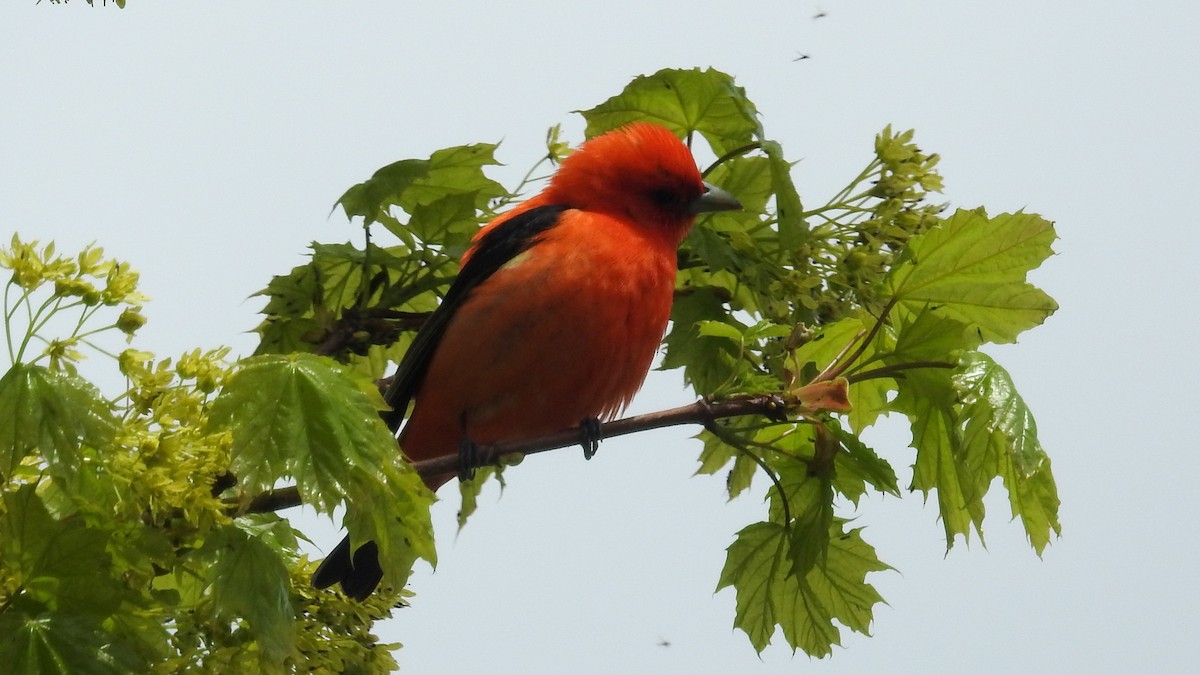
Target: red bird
556, 314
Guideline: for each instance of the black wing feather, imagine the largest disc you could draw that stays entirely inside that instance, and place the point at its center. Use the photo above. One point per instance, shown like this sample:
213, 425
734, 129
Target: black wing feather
505, 242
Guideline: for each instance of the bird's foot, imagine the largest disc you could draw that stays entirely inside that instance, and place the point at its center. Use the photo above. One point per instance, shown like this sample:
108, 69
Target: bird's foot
590, 429
468, 458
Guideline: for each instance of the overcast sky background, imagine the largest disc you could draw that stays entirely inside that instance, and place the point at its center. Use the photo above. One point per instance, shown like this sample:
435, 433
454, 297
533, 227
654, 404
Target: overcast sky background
206, 142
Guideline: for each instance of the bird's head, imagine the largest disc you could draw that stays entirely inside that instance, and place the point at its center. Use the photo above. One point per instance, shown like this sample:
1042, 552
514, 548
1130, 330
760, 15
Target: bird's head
641, 172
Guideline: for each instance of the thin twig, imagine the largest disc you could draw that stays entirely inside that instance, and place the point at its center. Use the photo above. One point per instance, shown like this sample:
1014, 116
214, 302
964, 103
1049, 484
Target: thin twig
736, 152
862, 346
740, 445
887, 371
838, 359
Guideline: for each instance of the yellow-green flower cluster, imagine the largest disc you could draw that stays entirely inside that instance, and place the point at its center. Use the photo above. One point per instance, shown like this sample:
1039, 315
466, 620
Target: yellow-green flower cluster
32, 267
89, 276
168, 393
334, 632
861, 230
87, 282
208, 370
170, 459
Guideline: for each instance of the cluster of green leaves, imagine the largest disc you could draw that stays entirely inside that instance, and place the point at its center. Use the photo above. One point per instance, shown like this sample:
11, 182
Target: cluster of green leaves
352, 303
874, 286
162, 488
124, 545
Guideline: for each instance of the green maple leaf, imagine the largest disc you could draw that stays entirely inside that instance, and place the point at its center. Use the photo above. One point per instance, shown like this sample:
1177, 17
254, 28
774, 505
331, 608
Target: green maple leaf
810, 503
830, 341
973, 269
52, 413
66, 616
716, 453
306, 417
707, 363
928, 397
62, 564
411, 183
250, 581
868, 401
455, 171
793, 230
929, 334
685, 101
969, 427
803, 607
302, 416
52, 643
449, 221
858, 465
749, 178
1000, 439
373, 198
394, 513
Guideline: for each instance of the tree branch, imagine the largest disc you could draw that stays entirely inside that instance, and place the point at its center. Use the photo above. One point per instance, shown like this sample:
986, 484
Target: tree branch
700, 412
272, 500
804, 401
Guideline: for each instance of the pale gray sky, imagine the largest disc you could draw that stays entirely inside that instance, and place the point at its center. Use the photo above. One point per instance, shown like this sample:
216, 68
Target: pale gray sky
206, 142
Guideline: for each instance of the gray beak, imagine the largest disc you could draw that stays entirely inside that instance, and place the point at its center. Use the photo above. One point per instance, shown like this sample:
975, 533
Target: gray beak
714, 199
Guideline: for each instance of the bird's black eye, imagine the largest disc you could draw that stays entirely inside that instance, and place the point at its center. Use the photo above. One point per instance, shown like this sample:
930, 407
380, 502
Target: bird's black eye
664, 198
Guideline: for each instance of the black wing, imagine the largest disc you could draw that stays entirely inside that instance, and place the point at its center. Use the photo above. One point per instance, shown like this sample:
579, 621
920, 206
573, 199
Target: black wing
497, 247
360, 573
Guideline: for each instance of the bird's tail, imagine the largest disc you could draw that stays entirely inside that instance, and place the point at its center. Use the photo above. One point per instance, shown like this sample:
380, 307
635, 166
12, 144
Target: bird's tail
358, 574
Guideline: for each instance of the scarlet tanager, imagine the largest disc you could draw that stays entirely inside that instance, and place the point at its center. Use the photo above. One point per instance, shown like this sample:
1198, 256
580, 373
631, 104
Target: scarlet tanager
556, 314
